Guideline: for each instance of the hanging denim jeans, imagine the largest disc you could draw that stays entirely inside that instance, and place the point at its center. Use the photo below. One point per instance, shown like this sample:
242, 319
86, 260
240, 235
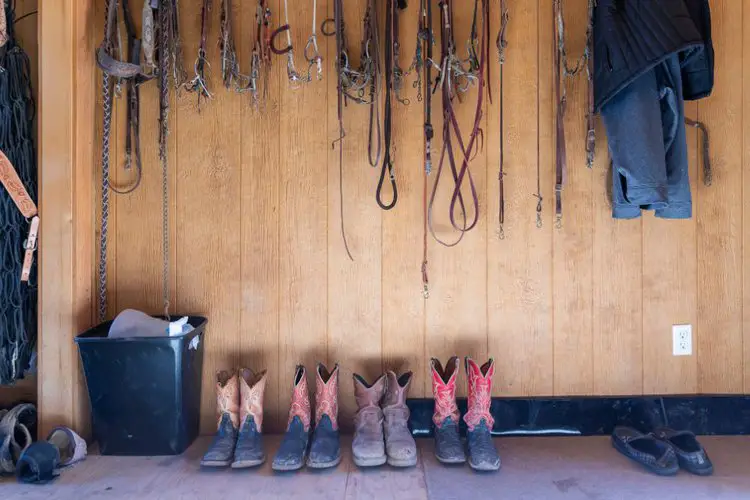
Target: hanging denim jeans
645, 125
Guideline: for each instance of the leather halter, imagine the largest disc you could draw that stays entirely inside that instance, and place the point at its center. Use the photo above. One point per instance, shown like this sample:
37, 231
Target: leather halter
12, 183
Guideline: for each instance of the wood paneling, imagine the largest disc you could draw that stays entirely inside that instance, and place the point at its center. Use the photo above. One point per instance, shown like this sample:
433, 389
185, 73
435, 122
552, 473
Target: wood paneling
585, 308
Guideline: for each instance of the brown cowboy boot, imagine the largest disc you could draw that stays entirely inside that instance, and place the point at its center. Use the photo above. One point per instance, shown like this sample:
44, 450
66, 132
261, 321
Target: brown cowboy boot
291, 453
482, 453
399, 443
249, 450
325, 450
368, 447
448, 446
221, 451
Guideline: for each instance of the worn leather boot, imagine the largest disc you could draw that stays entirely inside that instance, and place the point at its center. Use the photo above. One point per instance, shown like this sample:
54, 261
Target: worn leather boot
325, 450
368, 447
293, 448
221, 451
399, 443
448, 446
482, 453
249, 450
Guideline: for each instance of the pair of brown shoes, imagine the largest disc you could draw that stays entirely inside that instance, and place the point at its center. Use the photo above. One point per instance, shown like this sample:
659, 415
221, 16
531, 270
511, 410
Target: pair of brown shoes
382, 422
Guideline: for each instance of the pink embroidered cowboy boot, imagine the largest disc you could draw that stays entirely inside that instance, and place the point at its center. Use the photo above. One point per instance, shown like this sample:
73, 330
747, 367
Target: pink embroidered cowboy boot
291, 454
399, 443
325, 450
221, 451
482, 453
249, 450
448, 446
368, 447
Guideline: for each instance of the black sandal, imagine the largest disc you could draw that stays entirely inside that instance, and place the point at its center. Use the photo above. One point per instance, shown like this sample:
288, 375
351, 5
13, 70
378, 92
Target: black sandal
657, 456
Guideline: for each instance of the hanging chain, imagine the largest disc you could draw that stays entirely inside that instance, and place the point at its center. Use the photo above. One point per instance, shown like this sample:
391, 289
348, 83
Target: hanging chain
164, 19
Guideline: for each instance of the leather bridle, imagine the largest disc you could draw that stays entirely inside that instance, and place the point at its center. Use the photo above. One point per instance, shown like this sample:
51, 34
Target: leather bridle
393, 81
454, 78
199, 83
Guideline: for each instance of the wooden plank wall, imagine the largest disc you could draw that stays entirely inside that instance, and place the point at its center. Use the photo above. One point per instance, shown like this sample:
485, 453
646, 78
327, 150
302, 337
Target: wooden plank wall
583, 309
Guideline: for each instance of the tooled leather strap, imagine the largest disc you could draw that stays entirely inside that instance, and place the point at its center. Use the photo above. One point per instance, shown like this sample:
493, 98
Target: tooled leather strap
12, 183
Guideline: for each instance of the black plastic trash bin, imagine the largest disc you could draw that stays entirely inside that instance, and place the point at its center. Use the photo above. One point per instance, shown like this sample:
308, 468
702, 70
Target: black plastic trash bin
145, 392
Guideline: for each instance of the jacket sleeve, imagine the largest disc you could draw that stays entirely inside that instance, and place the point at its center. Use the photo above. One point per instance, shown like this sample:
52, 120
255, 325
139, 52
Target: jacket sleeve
698, 64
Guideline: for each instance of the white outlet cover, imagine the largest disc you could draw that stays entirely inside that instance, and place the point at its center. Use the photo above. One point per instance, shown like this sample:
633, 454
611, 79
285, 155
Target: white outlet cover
682, 340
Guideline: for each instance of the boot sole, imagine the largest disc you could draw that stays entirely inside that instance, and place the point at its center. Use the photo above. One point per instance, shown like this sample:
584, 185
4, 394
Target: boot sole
247, 464
370, 461
485, 467
451, 461
216, 463
287, 468
408, 462
324, 465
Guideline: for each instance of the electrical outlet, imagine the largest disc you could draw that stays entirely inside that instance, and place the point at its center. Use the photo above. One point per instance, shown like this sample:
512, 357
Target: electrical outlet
682, 340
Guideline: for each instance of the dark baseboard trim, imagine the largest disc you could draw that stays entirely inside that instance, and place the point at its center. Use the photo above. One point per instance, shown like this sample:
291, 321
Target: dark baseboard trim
598, 416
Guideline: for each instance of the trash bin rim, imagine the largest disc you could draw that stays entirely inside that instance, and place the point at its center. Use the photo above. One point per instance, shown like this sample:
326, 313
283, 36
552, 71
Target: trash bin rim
91, 335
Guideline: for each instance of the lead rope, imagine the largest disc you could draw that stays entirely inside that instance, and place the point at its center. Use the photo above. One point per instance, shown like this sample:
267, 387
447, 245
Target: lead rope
107, 98
165, 17
372, 51
502, 45
564, 72
341, 62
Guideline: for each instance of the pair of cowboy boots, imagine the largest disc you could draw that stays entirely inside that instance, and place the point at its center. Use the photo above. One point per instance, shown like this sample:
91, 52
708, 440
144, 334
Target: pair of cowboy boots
325, 449
448, 446
239, 407
382, 422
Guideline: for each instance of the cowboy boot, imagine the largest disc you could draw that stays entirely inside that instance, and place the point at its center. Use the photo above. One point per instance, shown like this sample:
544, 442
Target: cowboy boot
368, 447
293, 448
221, 451
399, 443
448, 446
249, 450
482, 453
325, 450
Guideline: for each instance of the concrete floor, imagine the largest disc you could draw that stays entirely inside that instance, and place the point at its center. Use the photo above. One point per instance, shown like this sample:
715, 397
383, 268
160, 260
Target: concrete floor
533, 468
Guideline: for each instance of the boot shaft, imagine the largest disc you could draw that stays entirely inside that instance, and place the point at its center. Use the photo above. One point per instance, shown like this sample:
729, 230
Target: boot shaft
300, 406
444, 391
369, 417
327, 394
397, 389
227, 398
479, 380
252, 388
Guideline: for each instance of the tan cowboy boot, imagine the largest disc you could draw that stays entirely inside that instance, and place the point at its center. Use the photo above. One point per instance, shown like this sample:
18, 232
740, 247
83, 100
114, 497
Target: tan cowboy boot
221, 451
448, 446
249, 450
368, 447
399, 443
482, 453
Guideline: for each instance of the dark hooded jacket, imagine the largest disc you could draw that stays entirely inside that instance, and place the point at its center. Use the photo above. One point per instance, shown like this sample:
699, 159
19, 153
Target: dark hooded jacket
631, 37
